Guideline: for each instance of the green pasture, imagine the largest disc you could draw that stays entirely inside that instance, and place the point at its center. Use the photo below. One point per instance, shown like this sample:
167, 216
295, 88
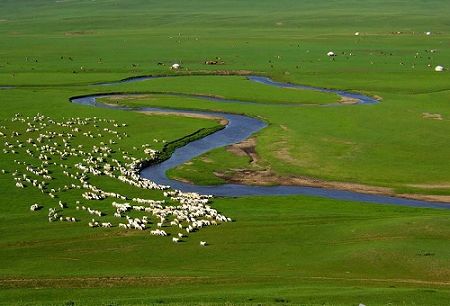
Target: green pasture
345, 143
279, 250
296, 249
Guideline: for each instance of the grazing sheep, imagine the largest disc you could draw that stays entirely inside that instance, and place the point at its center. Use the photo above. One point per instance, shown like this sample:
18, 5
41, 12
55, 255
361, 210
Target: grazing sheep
35, 207
158, 232
192, 209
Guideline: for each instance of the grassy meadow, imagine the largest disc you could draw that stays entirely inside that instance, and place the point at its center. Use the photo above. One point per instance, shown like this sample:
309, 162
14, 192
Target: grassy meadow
279, 250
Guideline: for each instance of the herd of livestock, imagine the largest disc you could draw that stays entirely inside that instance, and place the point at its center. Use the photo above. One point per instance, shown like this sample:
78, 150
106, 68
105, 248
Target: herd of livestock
63, 157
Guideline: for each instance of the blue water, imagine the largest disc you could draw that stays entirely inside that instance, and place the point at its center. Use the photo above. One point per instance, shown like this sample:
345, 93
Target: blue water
239, 128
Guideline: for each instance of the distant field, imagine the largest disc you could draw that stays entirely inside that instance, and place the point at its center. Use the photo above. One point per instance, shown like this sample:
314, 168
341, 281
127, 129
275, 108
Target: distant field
278, 250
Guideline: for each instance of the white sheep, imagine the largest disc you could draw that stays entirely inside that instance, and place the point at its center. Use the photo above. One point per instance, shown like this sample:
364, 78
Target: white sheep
35, 207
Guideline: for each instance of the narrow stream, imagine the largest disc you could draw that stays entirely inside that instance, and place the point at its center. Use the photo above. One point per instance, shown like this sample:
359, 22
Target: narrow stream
239, 128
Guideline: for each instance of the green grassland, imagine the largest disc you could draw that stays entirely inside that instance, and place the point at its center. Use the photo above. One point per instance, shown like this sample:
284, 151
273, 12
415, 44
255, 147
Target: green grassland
338, 143
278, 250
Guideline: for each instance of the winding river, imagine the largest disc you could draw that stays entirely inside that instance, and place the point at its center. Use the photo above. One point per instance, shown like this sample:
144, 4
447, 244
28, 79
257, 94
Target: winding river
239, 128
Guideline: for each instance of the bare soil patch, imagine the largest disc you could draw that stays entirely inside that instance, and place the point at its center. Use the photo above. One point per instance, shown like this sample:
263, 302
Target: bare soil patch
348, 101
127, 98
268, 177
432, 116
431, 186
426, 197
245, 148
183, 180
221, 120
93, 282
205, 160
377, 97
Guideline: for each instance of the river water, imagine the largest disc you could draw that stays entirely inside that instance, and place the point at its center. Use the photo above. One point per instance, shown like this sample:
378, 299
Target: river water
239, 128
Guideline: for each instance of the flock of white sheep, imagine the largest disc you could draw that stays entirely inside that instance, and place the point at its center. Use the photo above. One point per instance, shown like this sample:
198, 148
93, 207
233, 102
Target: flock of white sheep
49, 153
